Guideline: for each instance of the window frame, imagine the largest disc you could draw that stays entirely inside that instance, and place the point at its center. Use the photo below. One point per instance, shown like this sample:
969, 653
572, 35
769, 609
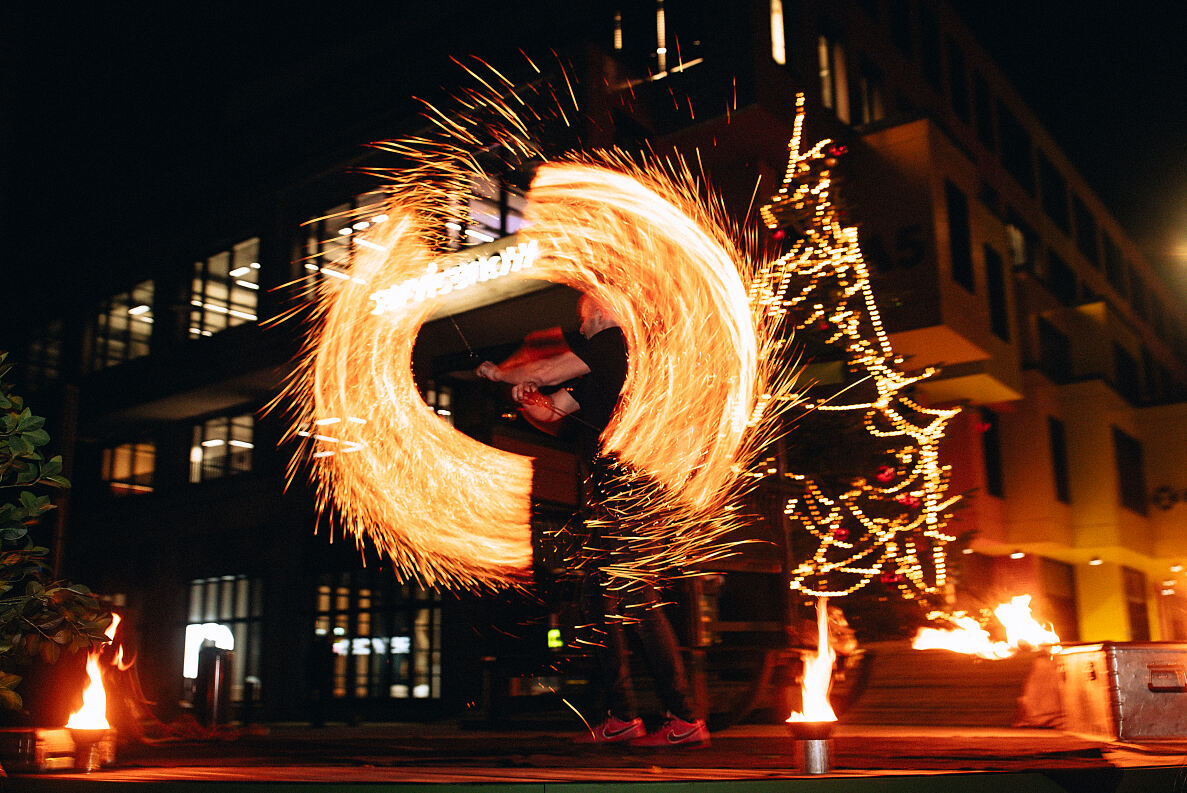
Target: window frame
206, 435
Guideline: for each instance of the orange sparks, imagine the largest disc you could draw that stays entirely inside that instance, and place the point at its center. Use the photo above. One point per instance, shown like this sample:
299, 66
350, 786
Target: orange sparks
454, 511
645, 241
818, 673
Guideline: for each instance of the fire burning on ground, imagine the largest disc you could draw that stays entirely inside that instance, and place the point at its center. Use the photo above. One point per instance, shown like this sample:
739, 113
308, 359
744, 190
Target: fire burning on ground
818, 672
971, 638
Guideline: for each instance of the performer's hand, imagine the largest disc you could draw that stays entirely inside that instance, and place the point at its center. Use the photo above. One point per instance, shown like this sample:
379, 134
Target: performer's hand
489, 371
528, 393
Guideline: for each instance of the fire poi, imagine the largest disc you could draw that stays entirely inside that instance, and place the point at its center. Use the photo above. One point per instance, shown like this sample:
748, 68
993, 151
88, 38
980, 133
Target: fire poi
454, 511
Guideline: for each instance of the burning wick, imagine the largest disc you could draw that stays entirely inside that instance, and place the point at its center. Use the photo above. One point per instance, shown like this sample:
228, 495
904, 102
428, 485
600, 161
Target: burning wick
818, 673
88, 725
814, 725
93, 713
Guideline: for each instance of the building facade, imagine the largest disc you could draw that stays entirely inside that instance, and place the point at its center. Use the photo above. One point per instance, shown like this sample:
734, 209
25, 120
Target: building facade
991, 259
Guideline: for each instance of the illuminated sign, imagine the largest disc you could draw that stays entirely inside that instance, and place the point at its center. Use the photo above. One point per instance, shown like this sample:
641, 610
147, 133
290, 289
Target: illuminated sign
437, 283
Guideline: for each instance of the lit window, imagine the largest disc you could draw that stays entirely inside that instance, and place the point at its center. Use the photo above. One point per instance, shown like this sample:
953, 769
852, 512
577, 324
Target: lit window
128, 468
225, 612
495, 210
831, 61
332, 239
661, 36
123, 327
778, 41
385, 636
1020, 247
440, 400
222, 447
225, 290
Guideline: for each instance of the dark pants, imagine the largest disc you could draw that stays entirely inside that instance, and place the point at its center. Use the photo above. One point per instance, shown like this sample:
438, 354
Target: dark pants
612, 611
612, 606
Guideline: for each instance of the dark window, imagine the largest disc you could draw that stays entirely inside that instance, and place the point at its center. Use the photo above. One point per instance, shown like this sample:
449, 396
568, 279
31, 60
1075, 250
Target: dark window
1057, 437
900, 26
1062, 279
991, 453
958, 80
1059, 592
1158, 317
1131, 475
1128, 379
959, 236
1086, 232
1055, 352
983, 105
1016, 156
1135, 601
929, 43
995, 283
385, 636
1150, 372
43, 357
866, 100
1137, 293
1115, 266
1054, 193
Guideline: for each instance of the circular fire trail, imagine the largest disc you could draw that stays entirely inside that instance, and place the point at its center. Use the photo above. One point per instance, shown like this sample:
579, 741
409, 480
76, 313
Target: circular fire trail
452, 511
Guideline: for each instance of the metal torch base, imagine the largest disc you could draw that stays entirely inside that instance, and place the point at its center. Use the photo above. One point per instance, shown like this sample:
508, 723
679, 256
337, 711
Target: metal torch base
816, 756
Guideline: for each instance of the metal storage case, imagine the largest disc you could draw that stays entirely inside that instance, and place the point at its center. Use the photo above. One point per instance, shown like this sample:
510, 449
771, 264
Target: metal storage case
1127, 691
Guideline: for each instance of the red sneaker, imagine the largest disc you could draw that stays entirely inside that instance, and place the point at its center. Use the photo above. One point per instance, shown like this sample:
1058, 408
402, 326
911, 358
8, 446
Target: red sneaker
615, 730
676, 732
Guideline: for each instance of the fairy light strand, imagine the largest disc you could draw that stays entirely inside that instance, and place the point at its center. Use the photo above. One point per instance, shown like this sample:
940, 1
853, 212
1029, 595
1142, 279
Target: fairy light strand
871, 528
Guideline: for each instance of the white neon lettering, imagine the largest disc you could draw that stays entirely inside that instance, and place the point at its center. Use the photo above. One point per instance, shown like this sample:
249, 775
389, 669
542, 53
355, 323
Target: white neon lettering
434, 283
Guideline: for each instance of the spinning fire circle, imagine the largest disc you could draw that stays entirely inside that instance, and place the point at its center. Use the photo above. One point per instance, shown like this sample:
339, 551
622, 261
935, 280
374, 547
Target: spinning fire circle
452, 511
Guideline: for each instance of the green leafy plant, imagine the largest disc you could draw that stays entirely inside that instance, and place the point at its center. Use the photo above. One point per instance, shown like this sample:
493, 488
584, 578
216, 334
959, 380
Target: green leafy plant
39, 616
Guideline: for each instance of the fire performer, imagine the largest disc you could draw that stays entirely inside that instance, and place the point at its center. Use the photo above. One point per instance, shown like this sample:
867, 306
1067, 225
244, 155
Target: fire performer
594, 368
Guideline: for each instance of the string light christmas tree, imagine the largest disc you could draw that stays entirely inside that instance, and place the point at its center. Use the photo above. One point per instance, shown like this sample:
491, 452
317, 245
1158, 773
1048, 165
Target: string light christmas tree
884, 518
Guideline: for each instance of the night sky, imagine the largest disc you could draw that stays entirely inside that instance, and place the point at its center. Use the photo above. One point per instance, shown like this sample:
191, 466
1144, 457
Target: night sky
105, 112
1109, 81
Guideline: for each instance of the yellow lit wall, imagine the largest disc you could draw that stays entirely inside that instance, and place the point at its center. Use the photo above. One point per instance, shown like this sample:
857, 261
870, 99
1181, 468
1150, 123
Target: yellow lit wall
1163, 432
1100, 602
